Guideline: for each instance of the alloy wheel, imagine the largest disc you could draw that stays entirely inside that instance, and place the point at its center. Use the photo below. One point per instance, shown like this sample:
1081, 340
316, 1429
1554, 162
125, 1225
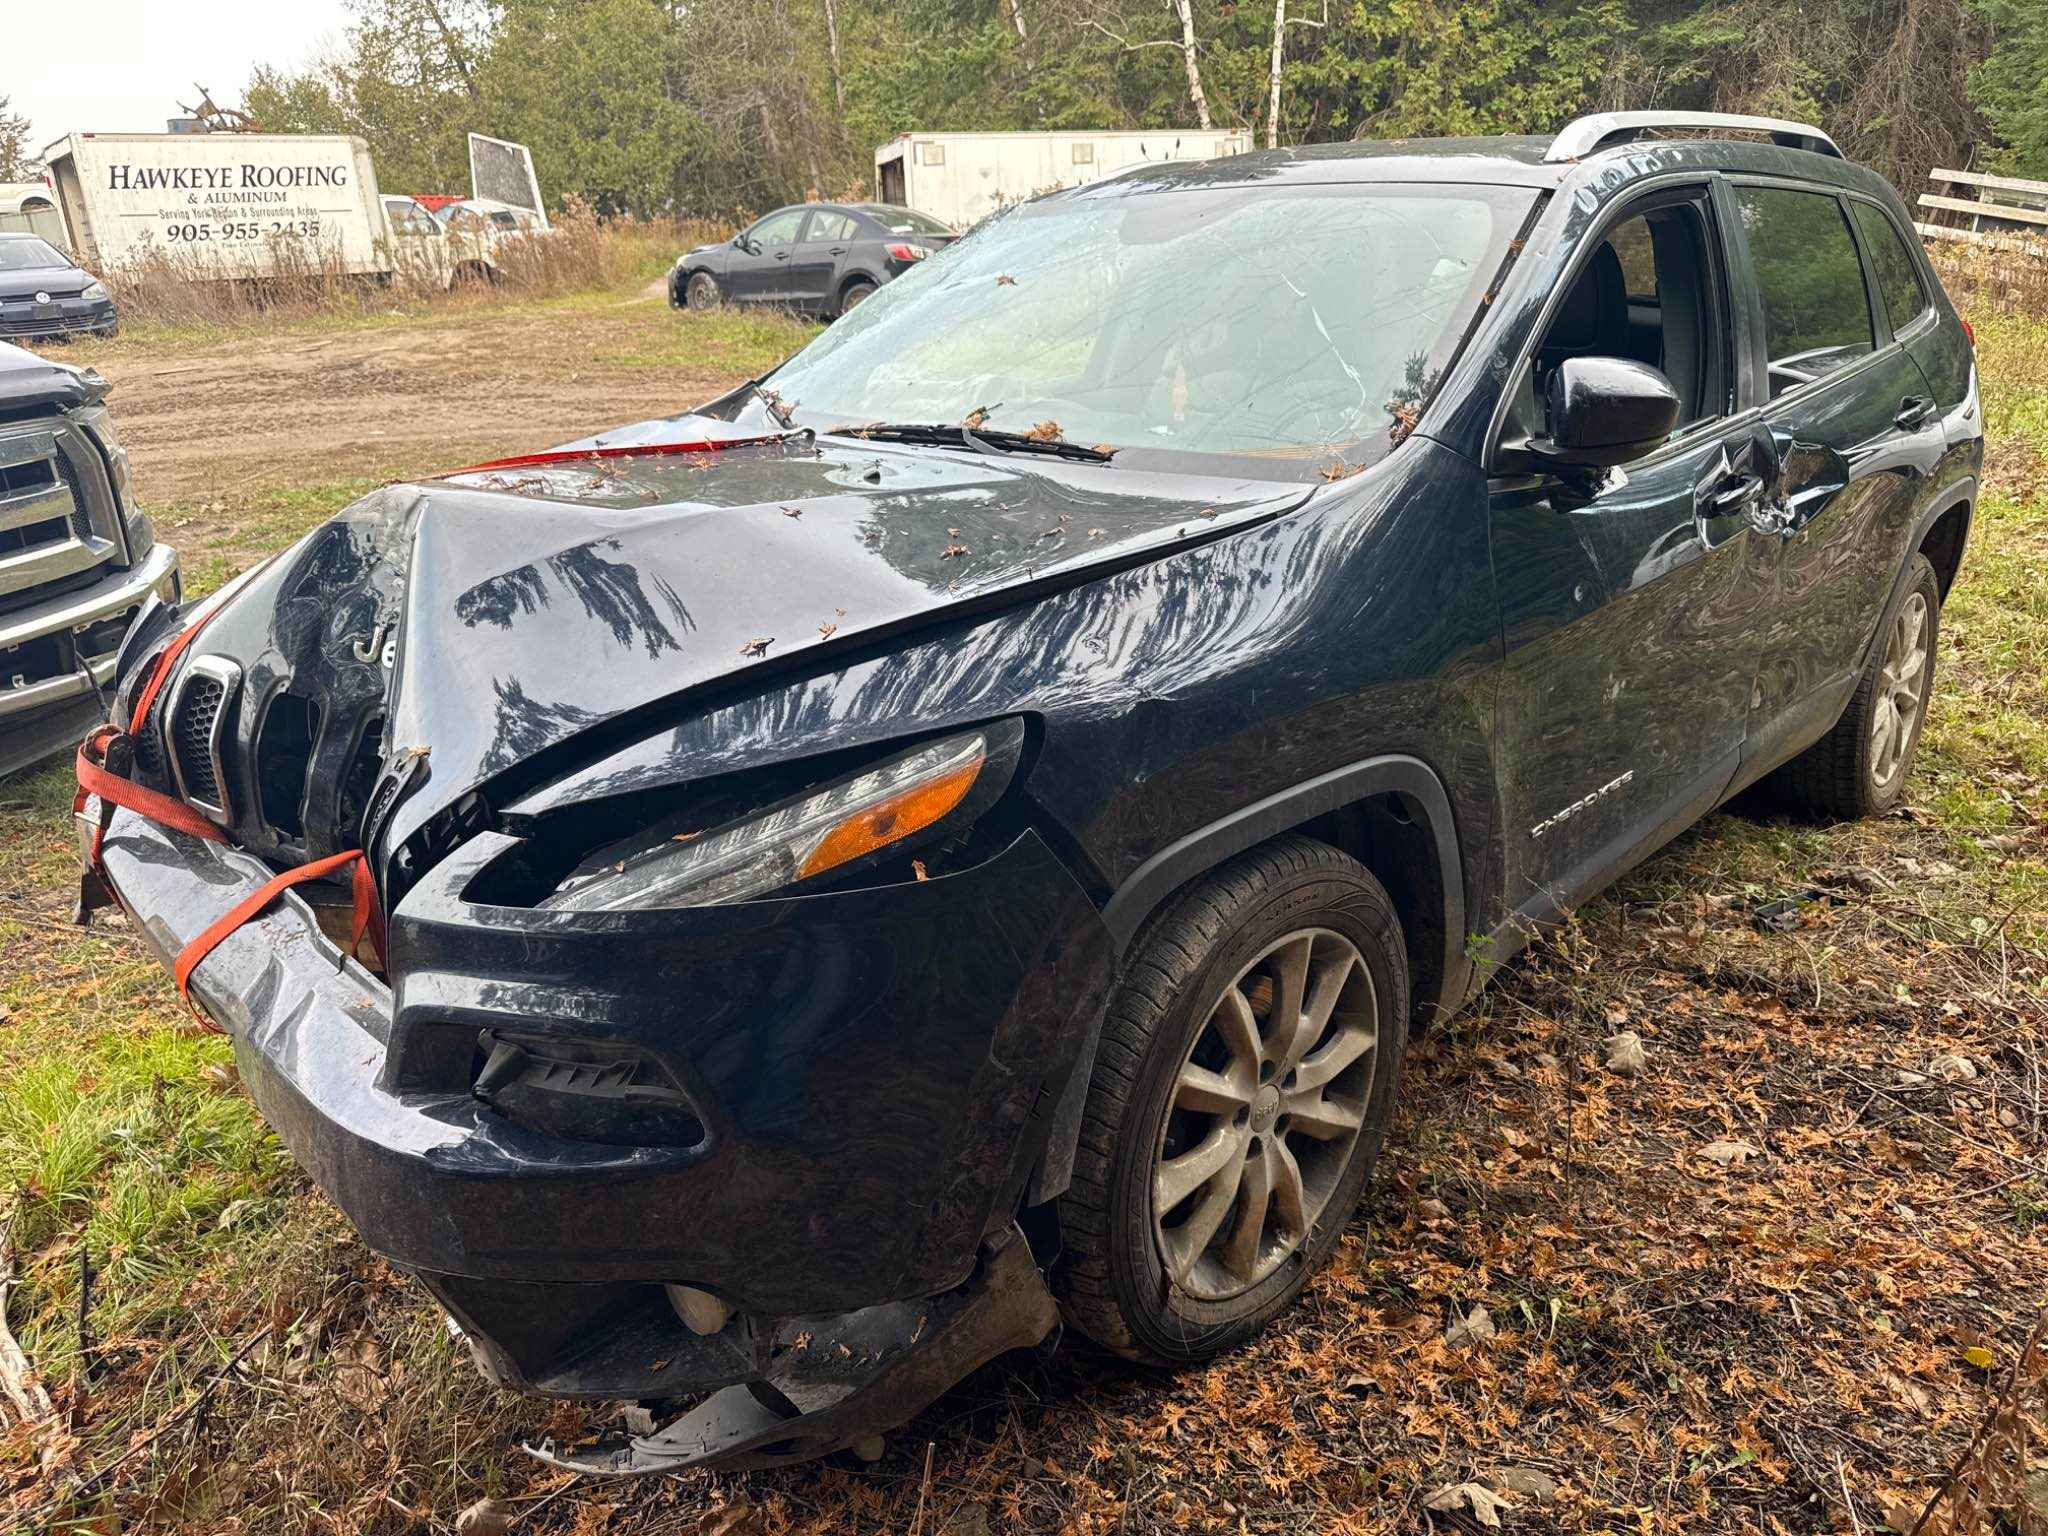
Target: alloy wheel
1266, 1112
1901, 691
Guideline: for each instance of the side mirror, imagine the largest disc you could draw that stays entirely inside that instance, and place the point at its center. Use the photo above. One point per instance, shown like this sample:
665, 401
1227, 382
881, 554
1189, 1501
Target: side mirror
745, 243
1602, 411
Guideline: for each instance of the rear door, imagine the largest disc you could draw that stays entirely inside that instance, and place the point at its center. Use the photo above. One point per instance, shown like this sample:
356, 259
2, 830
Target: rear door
1630, 601
814, 270
1855, 434
759, 270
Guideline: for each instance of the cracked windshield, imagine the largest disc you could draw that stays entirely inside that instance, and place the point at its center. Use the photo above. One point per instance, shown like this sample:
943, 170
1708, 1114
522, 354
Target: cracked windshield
1277, 322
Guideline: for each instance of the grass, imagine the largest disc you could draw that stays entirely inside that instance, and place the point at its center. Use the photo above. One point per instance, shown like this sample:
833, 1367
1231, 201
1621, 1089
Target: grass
1684, 1347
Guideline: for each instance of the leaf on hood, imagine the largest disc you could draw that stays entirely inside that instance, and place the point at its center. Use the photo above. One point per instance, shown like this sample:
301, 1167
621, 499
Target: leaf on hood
1045, 432
758, 646
792, 511
917, 869
1004, 280
978, 415
827, 630
954, 551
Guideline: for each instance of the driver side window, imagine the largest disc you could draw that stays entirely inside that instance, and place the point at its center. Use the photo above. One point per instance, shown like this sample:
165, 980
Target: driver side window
1650, 292
777, 228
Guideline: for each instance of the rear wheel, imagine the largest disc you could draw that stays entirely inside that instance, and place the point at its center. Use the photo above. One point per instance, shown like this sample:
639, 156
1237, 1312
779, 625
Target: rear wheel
1860, 767
854, 293
1241, 1090
702, 292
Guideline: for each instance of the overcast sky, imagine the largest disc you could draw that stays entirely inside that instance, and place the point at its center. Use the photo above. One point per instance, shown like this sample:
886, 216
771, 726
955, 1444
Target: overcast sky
123, 66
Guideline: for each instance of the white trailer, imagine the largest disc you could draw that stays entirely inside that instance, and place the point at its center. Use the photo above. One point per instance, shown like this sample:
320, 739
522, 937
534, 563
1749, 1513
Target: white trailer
239, 204
962, 177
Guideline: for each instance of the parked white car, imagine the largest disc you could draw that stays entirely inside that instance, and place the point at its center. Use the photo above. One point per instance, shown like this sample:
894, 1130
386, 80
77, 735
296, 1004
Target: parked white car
430, 252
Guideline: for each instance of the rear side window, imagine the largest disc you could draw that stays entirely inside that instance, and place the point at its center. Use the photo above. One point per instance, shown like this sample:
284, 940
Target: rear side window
1816, 313
831, 226
1898, 277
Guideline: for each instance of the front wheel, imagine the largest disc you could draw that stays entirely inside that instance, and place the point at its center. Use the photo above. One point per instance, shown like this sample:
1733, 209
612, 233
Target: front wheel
702, 292
1241, 1090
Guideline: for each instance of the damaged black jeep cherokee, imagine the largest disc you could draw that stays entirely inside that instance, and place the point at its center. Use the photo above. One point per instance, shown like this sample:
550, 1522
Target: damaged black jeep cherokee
959, 831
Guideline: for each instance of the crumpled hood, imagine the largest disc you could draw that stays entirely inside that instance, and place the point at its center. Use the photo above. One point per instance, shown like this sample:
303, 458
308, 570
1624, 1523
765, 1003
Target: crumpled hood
496, 616
29, 383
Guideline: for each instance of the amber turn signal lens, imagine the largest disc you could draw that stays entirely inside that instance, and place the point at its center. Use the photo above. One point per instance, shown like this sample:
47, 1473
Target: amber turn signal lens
877, 826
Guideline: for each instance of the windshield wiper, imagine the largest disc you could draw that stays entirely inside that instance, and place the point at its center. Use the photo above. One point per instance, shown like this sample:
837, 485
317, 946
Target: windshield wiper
784, 414
981, 439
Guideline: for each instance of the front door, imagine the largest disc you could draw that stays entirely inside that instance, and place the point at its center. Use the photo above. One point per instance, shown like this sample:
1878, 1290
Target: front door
1857, 434
1630, 601
758, 272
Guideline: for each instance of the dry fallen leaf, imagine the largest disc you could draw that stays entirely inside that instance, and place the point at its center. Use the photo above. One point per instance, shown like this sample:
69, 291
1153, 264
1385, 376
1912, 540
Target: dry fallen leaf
1004, 280
486, 1517
1484, 1503
792, 511
826, 631
917, 869
1729, 1154
1045, 432
758, 646
1475, 1327
954, 551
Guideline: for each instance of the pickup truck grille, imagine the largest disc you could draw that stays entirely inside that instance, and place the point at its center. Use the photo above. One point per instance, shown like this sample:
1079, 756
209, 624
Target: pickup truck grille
58, 521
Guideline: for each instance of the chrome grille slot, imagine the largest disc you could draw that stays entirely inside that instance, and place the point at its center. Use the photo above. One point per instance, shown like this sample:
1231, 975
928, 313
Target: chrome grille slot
201, 710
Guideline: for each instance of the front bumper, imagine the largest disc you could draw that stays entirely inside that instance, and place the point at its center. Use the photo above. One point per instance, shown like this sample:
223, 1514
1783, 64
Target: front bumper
876, 1072
65, 317
54, 665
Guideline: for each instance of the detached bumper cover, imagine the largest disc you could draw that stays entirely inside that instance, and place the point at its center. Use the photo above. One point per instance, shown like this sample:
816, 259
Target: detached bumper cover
876, 1071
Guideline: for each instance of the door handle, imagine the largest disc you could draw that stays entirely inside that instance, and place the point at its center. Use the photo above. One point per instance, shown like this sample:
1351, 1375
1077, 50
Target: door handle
1729, 494
1913, 411
782, 255
837, 250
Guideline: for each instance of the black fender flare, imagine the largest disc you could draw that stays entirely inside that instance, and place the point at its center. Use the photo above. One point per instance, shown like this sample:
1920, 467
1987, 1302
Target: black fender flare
1146, 888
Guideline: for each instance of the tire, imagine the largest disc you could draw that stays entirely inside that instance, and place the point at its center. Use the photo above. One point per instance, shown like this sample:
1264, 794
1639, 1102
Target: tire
701, 292
1860, 767
1151, 1285
853, 293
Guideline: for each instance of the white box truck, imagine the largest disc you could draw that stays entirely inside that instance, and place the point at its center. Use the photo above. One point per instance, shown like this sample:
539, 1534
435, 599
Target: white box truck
242, 204
963, 177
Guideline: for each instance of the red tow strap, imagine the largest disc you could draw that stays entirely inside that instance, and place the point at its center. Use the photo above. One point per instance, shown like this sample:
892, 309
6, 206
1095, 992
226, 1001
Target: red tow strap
96, 778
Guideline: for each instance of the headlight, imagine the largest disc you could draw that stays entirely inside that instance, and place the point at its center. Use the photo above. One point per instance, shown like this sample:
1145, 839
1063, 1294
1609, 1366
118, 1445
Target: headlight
95, 291
825, 829
99, 421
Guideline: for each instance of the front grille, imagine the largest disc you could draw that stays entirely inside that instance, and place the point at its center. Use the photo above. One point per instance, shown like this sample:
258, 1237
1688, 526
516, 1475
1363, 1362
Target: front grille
192, 738
149, 744
201, 713
32, 482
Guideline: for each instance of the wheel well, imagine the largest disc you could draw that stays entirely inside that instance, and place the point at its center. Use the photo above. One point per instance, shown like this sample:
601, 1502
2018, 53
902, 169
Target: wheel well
1943, 544
1390, 835
857, 277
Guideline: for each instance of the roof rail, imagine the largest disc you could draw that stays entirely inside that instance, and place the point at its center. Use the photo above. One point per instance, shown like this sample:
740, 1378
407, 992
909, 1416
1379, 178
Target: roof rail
1584, 135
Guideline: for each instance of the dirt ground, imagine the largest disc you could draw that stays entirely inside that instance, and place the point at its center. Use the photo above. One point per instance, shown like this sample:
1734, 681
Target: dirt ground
212, 420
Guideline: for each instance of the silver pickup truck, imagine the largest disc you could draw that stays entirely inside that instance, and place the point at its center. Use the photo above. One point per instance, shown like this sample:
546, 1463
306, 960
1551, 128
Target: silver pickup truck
77, 559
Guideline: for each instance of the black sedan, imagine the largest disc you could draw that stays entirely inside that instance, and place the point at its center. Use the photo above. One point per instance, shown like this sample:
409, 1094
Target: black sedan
43, 292
822, 258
